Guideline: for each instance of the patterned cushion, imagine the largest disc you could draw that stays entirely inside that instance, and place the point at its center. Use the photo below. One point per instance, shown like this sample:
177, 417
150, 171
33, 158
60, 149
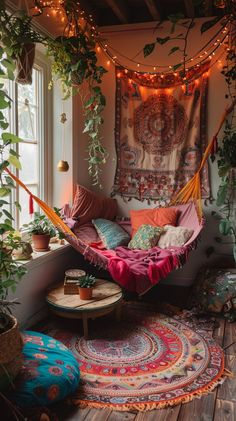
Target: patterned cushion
88, 205
111, 234
146, 237
215, 292
49, 373
174, 236
155, 217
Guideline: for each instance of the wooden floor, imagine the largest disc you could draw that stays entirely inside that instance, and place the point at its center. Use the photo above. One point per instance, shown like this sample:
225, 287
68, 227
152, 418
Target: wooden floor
220, 405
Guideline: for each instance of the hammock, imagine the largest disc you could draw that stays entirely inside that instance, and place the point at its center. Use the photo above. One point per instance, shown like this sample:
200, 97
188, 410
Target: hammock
138, 270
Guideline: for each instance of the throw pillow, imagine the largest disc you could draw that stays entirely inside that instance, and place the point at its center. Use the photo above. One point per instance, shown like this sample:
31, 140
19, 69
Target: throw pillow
155, 217
174, 236
111, 234
88, 205
146, 237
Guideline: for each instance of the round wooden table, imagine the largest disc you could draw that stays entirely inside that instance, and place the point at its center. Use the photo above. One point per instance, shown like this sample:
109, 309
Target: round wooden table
107, 297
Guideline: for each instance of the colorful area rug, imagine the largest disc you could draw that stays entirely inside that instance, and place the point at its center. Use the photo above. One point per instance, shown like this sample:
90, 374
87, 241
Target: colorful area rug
149, 361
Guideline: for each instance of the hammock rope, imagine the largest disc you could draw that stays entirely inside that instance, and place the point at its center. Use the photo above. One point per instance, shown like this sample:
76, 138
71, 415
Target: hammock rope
190, 192
50, 213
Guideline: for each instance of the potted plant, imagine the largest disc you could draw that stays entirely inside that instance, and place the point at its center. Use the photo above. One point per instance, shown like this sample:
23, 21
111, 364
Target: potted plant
11, 271
41, 231
17, 35
74, 63
86, 283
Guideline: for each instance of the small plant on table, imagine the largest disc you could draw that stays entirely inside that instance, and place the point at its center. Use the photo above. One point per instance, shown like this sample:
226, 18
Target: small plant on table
86, 283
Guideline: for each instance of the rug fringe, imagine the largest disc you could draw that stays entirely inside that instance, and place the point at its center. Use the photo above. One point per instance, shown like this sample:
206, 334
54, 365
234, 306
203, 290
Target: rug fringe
155, 405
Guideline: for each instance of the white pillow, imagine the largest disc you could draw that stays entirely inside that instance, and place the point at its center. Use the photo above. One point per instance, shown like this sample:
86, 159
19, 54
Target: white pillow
174, 236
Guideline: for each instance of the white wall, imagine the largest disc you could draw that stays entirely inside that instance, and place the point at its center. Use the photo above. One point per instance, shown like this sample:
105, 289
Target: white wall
130, 40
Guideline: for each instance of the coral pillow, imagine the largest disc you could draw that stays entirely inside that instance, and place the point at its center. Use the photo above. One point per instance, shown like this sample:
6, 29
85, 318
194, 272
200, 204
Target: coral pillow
146, 237
174, 236
111, 234
155, 217
88, 205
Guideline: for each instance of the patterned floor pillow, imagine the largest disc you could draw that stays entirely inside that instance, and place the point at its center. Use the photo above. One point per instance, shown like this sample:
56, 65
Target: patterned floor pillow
215, 292
49, 373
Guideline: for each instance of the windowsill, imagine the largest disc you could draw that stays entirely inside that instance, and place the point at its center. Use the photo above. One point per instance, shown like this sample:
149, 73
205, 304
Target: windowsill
39, 258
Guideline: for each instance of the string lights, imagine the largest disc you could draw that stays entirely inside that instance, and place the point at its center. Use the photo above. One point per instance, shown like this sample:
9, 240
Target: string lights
59, 9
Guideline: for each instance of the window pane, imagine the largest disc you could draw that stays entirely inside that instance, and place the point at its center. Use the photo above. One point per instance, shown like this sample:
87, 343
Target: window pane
28, 108
28, 91
29, 162
24, 216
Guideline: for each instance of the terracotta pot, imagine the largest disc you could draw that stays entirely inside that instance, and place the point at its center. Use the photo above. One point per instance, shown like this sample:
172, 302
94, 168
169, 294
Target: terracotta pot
11, 357
41, 242
24, 64
85, 293
23, 252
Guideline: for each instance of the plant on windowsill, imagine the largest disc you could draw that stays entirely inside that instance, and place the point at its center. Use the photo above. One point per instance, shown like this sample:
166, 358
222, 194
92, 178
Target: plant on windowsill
41, 230
11, 271
86, 283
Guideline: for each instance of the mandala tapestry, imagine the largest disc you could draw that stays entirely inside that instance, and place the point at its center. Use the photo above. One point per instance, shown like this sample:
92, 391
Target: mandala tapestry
160, 134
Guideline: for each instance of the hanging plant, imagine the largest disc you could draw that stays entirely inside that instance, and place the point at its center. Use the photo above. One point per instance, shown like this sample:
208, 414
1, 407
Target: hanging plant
18, 39
74, 63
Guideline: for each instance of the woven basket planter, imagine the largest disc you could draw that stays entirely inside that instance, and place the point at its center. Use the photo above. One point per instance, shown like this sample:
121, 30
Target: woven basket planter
24, 64
11, 356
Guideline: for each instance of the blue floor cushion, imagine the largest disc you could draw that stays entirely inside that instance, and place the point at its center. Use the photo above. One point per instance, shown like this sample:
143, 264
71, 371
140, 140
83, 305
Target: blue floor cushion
49, 373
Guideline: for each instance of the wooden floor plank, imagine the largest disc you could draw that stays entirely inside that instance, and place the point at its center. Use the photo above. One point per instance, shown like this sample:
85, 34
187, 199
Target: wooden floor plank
225, 411
199, 409
69, 413
121, 416
98, 415
230, 337
168, 414
227, 390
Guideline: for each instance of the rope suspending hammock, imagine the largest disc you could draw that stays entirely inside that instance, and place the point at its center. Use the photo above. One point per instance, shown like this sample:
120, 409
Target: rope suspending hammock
190, 192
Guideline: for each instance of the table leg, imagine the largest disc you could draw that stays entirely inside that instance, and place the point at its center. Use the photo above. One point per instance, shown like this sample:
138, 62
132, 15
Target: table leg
85, 325
118, 312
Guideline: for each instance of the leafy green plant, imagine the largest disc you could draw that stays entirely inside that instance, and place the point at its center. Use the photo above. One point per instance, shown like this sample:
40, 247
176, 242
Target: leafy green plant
16, 31
10, 271
74, 63
42, 225
86, 281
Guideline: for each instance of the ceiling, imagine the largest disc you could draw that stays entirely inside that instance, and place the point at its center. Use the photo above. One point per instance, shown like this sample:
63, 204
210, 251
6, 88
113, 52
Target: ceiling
116, 12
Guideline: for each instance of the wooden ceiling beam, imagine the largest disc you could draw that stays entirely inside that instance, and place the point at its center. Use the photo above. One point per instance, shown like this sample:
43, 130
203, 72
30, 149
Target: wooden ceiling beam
153, 9
119, 9
208, 8
189, 7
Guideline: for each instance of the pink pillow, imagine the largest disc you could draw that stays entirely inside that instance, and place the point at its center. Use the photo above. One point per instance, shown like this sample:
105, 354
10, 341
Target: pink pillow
88, 205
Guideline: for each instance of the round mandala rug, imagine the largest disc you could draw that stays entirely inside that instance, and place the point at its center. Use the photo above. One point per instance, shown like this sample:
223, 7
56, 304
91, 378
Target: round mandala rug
149, 361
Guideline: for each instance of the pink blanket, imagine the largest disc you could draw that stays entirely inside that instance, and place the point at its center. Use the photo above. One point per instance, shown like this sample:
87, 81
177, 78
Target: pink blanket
139, 270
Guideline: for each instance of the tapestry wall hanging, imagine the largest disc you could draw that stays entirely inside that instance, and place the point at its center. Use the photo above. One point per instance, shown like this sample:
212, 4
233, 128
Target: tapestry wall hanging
160, 133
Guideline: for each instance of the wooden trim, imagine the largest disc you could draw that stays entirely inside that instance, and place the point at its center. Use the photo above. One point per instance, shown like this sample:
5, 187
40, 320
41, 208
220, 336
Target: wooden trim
153, 10
189, 7
120, 10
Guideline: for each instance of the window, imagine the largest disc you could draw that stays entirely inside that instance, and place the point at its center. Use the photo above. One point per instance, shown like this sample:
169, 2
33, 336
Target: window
29, 120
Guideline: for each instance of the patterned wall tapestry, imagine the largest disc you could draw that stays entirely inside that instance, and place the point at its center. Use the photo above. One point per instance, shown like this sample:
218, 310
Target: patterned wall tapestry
160, 134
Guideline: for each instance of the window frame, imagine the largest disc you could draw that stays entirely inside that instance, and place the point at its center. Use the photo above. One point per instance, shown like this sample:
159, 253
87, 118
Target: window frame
45, 140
